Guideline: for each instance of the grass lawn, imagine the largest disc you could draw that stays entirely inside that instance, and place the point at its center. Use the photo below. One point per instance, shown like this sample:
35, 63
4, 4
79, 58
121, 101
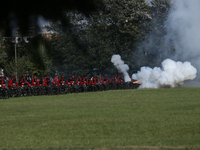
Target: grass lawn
123, 119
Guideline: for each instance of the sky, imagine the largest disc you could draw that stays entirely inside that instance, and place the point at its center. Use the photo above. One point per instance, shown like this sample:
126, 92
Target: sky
42, 21
148, 1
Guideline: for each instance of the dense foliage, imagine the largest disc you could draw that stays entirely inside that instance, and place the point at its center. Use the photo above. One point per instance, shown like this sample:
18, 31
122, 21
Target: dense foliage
22, 14
87, 43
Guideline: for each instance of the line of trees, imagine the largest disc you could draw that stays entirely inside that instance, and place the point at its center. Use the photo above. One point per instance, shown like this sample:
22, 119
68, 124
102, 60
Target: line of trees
119, 27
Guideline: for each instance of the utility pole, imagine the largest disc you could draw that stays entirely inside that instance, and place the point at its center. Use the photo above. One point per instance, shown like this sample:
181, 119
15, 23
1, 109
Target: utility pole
16, 41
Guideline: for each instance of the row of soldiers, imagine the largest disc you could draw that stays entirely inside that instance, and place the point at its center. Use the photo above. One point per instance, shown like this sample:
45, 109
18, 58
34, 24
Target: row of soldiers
59, 81
47, 86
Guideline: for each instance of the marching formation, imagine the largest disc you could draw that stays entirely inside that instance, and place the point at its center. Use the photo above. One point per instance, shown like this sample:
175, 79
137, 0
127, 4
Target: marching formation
47, 86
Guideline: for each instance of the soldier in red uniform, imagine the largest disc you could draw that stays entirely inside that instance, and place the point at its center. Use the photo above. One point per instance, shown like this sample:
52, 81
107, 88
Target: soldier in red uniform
9, 82
70, 81
78, 80
101, 79
34, 81
84, 80
105, 79
112, 79
12, 81
112, 84
14, 91
47, 88
104, 82
0, 80
46, 81
56, 85
10, 87
4, 91
36, 89
96, 80
25, 86
55, 80
3, 82
40, 82
25, 82
119, 83
61, 80
19, 83
88, 81
119, 78
92, 81
98, 86
61, 84
92, 84
72, 87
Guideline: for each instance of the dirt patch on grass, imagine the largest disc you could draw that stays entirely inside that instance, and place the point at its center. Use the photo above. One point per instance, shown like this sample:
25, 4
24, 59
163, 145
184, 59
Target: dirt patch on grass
150, 148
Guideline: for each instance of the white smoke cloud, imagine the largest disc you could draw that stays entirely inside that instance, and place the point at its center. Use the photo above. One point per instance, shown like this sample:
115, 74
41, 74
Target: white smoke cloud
123, 68
183, 27
182, 31
172, 74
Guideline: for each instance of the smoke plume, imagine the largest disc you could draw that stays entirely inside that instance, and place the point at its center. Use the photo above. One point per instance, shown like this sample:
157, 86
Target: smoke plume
119, 64
183, 30
172, 74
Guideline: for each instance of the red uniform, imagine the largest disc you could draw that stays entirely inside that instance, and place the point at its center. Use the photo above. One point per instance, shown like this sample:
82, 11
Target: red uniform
93, 81
19, 84
112, 80
40, 82
84, 80
105, 80
78, 80
55, 80
23, 82
101, 79
119, 79
46, 81
34, 81
96, 80
9, 83
61, 81
3, 83
70, 81
88, 81
12, 82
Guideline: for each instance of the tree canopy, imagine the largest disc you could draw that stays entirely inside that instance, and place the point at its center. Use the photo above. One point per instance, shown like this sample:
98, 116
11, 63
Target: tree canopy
22, 14
81, 40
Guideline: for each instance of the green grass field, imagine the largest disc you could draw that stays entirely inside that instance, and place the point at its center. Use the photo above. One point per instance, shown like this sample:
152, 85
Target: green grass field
123, 119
